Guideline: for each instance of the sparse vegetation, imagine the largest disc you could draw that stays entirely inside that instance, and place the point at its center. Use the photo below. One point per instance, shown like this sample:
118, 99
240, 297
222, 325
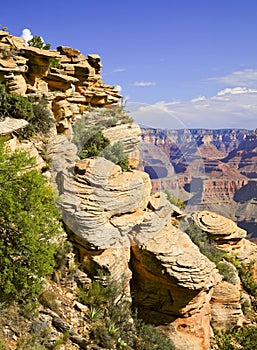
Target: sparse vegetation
35, 112
37, 41
200, 238
91, 142
111, 323
173, 200
115, 153
15, 106
246, 274
243, 338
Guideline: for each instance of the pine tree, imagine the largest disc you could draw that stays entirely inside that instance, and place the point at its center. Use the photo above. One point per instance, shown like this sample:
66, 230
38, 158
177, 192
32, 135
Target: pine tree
28, 224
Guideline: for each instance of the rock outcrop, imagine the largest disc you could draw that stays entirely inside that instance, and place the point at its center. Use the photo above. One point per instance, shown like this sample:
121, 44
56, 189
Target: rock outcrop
69, 80
224, 234
114, 220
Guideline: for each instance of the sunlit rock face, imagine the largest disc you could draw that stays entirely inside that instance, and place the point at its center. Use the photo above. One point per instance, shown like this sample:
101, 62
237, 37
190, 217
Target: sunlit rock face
172, 283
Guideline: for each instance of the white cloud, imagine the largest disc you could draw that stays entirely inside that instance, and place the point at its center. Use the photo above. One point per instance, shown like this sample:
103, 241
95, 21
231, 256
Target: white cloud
118, 70
200, 98
26, 35
229, 108
144, 83
245, 78
118, 88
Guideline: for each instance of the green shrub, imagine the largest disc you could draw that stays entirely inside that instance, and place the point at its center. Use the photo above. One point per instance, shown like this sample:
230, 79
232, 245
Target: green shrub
150, 337
38, 42
15, 106
173, 200
42, 121
115, 154
54, 62
246, 274
61, 341
243, 338
29, 221
111, 322
35, 112
90, 142
200, 238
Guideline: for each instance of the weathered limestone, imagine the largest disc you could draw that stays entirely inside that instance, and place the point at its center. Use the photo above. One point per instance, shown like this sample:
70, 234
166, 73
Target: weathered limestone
184, 278
226, 311
226, 307
65, 77
10, 125
97, 192
219, 228
130, 136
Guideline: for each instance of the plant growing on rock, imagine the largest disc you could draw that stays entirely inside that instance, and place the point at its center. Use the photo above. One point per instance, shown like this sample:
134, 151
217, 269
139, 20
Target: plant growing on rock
91, 142
29, 222
233, 339
35, 112
15, 106
111, 321
200, 238
173, 200
37, 41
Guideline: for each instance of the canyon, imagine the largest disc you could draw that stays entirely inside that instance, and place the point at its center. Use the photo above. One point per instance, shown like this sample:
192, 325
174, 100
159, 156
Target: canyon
208, 169
121, 222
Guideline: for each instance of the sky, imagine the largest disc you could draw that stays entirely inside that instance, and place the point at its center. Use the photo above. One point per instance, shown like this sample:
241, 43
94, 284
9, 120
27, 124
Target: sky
178, 63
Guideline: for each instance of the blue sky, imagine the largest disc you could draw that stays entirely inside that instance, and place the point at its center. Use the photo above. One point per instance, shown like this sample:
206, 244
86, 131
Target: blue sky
180, 63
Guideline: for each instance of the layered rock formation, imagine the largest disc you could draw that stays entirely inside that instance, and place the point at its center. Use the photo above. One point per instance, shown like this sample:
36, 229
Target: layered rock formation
69, 89
115, 222
226, 301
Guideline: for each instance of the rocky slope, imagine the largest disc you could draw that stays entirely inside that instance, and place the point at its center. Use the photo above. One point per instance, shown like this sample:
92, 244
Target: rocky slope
114, 221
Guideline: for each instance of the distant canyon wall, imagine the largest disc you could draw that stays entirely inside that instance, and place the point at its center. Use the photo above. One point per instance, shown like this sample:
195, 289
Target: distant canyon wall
208, 169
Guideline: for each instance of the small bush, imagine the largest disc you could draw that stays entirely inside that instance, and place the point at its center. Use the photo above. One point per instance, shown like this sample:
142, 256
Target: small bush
173, 200
200, 238
150, 337
38, 42
246, 274
115, 154
15, 106
243, 338
111, 322
42, 121
29, 223
90, 142
48, 299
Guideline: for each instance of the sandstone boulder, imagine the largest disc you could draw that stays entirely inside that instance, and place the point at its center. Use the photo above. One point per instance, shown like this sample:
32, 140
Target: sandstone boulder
10, 125
97, 191
172, 284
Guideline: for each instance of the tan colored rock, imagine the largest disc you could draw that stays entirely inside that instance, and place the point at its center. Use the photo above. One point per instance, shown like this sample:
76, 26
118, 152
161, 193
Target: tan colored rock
98, 192
61, 109
15, 83
226, 311
130, 136
28, 147
184, 278
10, 125
193, 332
95, 61
38, 60
219, 227
60, 82
68, 51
